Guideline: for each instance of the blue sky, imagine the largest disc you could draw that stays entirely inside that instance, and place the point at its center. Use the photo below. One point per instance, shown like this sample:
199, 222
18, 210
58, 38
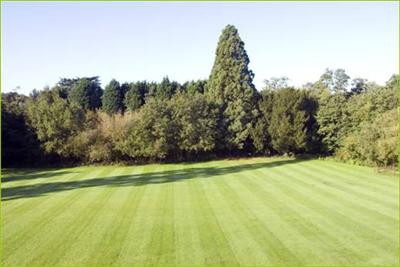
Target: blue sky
128, 41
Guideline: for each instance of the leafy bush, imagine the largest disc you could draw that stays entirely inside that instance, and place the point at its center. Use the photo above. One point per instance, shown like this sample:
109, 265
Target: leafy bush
97, 140
55, 121
375, 143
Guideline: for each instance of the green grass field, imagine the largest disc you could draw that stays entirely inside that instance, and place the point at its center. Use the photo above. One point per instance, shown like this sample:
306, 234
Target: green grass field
230, 212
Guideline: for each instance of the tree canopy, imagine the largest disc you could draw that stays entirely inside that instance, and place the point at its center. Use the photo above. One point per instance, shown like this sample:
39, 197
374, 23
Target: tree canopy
77, 121
86, 93
113, 98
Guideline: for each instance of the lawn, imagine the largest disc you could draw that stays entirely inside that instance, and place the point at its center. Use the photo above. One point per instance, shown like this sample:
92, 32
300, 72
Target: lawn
229, 212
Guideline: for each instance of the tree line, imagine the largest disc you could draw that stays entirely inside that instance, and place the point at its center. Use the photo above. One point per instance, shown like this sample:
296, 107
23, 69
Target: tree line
77, 121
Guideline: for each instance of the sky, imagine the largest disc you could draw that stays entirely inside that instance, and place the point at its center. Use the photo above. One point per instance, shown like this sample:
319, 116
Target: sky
129, 41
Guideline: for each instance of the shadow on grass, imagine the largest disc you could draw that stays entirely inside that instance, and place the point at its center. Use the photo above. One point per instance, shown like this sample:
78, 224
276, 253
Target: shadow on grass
40, 189
29, 174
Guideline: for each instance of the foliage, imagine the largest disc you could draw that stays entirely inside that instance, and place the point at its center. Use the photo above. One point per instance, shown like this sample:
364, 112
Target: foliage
20, 145
360, 85
374, 143
332, 119
55, 121
372, 126
276, 83
135, 95
195, 87
260, 136
195, 121
224, 115
165, 89
151, 134
289, 114
113, 98
335, 80
231, 87
174, 128
97, 141
86, 93
364, 107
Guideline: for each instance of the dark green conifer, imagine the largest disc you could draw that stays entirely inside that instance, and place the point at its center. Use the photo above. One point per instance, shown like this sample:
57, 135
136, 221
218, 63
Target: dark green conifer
112, 100
231, 86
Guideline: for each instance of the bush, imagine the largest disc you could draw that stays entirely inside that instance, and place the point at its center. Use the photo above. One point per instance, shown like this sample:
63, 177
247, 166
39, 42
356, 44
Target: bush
375, 143
172, 129
150, 134
55, 122
97, 141
195, 120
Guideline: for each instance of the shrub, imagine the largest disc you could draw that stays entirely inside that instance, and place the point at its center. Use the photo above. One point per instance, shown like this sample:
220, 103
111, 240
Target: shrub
375, 143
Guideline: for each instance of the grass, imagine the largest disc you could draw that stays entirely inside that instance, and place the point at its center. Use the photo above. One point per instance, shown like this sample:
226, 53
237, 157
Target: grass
229, 212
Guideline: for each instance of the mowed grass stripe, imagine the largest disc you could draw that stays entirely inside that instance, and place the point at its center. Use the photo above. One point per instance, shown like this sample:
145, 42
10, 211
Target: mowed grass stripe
188, 250
285, 221
48, 227
246, 229
162, 242
130, 218
254, 212
103, 227
30, 212
320, 240
233, 229
357, 202
362, 173
348, 238
100, 223
272, 212
340, 221
348, 205
81, 221
135, 249
347, 184
358, 235
112, 237
41, 215
213, 241
265, 220
21, 205
370, 181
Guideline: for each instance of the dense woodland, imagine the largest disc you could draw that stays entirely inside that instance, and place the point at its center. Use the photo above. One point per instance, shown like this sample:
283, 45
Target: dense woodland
77, 121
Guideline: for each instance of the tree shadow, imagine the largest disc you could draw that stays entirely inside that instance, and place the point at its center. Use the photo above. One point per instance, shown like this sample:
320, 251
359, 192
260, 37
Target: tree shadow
161, 177
29, 174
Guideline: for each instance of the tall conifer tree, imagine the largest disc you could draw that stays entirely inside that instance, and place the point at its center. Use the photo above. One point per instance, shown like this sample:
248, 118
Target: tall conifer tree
113, 98
231, 86
86, 93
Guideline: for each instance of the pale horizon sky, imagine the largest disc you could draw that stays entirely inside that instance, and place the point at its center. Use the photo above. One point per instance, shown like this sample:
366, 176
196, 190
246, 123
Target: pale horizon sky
129, 41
